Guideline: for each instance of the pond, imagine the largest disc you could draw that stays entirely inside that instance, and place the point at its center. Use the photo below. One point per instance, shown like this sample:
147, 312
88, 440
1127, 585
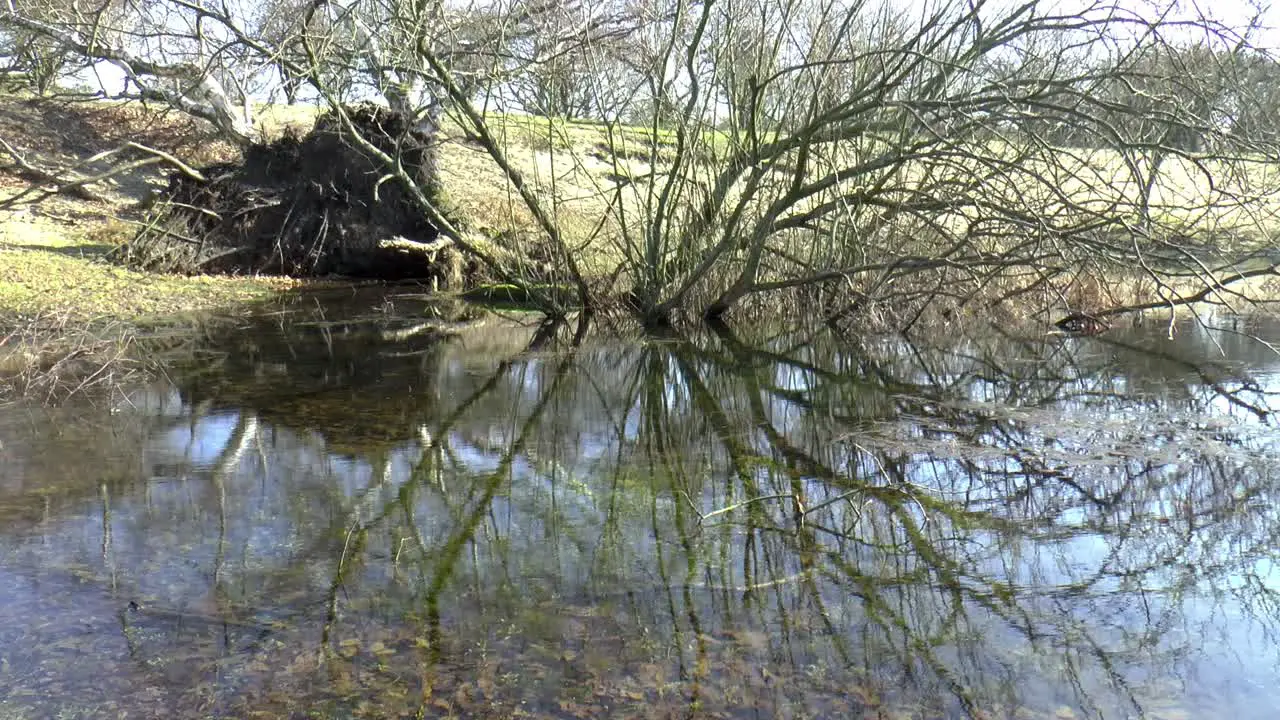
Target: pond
343, 509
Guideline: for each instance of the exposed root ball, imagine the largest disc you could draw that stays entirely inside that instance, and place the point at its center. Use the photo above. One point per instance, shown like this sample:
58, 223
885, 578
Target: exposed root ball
315, 205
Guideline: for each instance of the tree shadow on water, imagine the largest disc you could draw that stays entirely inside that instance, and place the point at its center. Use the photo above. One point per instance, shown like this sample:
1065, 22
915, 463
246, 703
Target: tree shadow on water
578, 526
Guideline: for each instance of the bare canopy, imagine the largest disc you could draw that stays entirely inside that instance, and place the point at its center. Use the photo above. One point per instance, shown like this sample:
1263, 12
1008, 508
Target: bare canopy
849, 154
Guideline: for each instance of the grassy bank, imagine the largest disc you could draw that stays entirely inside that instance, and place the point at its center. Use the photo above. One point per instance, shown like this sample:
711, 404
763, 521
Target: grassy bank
60, 297
69, 318
52, 251
42, 273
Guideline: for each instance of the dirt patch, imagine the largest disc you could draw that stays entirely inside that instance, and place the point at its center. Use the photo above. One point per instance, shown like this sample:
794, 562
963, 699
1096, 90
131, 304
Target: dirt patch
305, 206
61, 137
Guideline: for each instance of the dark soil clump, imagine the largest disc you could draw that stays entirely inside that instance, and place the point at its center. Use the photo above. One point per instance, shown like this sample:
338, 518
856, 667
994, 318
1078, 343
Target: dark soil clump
316, 205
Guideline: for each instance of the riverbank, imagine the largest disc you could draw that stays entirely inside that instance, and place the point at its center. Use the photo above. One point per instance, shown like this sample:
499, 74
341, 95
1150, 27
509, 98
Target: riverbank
53, 245
67, 310
69, 317
61, 297
67, 314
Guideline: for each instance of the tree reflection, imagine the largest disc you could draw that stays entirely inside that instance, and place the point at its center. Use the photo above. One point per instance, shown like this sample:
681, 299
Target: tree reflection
782, 525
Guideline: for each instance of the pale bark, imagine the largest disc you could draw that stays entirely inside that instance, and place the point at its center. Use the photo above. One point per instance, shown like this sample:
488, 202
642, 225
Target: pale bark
199, 94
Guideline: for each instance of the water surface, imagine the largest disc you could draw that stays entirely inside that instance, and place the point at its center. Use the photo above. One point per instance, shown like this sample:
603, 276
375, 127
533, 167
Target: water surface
340, 511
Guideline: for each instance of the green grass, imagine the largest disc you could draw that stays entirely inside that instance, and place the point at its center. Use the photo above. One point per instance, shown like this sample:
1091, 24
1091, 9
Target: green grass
574, 164
46, 270
574, 167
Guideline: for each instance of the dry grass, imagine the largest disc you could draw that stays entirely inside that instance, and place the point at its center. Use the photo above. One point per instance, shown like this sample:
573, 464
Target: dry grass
52, 357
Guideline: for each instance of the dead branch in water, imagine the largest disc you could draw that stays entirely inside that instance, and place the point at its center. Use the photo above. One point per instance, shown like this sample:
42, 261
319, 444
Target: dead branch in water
53, 357
1204, 294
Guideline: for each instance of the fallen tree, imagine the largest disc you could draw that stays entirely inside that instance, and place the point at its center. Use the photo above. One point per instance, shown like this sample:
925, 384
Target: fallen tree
305, 206
832, 158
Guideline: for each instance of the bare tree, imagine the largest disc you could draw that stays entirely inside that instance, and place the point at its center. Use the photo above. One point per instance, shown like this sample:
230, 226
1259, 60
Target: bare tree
558, 70
862, 153
280, 24
887, 161
41, 58
35, 57
1253, 101
165, 50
